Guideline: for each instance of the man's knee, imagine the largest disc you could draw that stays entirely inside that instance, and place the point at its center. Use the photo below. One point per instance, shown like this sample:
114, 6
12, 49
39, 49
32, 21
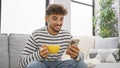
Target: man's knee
81, 64
36, 64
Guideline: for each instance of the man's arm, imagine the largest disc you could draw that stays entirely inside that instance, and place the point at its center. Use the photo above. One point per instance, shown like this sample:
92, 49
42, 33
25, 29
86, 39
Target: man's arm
30, 53
75, 52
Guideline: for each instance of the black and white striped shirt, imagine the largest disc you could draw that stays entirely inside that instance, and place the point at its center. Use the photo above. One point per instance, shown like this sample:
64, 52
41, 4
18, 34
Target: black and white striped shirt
40, 37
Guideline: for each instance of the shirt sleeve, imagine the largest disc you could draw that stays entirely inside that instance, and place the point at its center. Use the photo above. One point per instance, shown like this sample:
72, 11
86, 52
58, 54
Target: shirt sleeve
80, 56
30, 53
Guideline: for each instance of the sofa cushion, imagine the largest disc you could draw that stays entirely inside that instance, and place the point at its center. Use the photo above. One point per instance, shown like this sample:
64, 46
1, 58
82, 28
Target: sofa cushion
108, 65
16, 44
106, 43
104, 55
4, 59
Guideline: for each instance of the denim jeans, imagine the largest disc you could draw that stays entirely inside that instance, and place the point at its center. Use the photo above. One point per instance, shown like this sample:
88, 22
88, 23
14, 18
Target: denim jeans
57, 64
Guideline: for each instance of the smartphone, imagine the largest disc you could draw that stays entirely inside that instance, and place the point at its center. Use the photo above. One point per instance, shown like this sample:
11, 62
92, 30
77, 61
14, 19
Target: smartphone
74, 42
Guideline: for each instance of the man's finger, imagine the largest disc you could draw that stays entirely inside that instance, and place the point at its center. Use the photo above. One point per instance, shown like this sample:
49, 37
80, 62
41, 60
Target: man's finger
45, 54
73, 49
71, 53
44, 51
74, 46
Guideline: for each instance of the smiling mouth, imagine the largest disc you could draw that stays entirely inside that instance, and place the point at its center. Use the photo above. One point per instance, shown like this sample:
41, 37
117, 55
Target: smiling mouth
58, 27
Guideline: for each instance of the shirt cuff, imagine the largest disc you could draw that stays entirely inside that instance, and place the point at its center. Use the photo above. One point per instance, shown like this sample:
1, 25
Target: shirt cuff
40, 58
80, 57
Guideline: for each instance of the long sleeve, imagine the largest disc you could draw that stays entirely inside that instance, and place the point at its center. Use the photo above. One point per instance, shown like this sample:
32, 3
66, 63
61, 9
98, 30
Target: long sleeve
30, 53
80, 56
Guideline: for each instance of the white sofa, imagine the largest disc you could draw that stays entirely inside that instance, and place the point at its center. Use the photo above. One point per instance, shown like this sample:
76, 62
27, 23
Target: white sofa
11, 47
93, 42
89, 42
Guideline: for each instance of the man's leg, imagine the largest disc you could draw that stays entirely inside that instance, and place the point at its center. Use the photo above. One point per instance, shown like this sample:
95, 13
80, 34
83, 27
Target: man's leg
81, 64
72, 64
36, 64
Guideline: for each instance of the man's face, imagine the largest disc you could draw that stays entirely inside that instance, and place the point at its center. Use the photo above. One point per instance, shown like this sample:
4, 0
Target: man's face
55, 22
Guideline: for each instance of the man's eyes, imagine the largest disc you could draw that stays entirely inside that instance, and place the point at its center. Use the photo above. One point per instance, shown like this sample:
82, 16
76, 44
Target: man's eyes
61, 19
55, 18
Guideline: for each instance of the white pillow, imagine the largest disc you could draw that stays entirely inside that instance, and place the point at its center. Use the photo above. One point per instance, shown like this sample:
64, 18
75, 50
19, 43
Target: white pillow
92, 62
104, 55
106, 43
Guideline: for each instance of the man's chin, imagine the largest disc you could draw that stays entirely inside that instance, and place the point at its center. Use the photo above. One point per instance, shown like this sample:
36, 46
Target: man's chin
57, 30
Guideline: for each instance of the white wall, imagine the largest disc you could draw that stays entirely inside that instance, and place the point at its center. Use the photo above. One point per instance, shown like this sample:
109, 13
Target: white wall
22, 16
67, 18
81, 19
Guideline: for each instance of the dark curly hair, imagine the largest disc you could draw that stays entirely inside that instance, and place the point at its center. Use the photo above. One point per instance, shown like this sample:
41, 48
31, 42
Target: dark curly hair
57, 9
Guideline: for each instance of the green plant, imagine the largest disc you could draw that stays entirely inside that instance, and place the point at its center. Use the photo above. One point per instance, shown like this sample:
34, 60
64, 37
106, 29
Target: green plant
108, 19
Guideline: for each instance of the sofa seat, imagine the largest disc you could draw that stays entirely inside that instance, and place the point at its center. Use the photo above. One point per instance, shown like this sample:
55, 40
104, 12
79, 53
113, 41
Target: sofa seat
108, 65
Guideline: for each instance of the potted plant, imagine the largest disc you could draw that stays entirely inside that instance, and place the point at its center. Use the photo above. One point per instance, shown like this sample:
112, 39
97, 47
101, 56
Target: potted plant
107, 25
108, 19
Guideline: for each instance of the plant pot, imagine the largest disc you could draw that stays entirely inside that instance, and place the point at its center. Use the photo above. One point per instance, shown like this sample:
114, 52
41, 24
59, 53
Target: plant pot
106, 43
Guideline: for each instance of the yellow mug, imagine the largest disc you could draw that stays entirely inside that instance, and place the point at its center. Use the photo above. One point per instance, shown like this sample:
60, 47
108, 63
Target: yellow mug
53, 49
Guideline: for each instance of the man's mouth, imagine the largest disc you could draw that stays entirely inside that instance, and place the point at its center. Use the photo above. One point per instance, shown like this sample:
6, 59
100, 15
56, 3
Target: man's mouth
58, 26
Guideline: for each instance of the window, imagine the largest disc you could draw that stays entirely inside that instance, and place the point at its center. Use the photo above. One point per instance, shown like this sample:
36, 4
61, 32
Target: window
22, 16
89, 2
81, 17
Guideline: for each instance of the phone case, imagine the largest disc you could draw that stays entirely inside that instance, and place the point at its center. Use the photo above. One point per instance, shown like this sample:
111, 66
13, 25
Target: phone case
74, 41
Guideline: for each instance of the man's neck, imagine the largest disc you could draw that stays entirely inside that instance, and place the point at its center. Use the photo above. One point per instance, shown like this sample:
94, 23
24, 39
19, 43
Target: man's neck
51, 31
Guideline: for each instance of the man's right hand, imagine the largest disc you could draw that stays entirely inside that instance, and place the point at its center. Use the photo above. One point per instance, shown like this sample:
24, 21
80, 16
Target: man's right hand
44, 51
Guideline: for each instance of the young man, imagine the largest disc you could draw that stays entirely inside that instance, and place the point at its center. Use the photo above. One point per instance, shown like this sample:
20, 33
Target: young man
36, 54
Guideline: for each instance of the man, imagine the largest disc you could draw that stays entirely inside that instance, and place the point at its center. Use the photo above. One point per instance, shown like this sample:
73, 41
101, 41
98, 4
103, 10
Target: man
36, 53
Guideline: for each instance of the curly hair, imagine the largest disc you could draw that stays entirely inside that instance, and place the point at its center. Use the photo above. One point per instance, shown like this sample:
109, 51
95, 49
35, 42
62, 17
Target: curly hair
57, 9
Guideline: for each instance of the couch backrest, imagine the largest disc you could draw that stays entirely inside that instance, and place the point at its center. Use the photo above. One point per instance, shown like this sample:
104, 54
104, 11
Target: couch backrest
4, 59
16, 45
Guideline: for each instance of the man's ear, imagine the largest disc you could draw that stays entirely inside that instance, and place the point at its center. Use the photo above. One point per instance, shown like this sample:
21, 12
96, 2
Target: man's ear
46, 18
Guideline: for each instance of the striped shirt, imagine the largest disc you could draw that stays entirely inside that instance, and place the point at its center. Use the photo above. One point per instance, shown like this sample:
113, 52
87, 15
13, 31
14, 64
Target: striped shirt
37, 39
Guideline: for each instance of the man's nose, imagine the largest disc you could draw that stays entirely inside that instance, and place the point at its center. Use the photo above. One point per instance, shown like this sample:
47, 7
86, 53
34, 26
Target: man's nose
58, 22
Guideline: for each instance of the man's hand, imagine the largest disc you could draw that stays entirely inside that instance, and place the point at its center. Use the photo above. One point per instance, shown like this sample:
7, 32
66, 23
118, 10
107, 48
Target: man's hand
73, 51
44, 51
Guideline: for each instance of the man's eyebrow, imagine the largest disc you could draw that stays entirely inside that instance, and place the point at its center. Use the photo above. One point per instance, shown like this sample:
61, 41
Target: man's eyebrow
55, 16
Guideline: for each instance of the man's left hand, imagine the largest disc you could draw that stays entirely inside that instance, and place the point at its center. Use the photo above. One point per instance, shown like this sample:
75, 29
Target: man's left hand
73, 51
